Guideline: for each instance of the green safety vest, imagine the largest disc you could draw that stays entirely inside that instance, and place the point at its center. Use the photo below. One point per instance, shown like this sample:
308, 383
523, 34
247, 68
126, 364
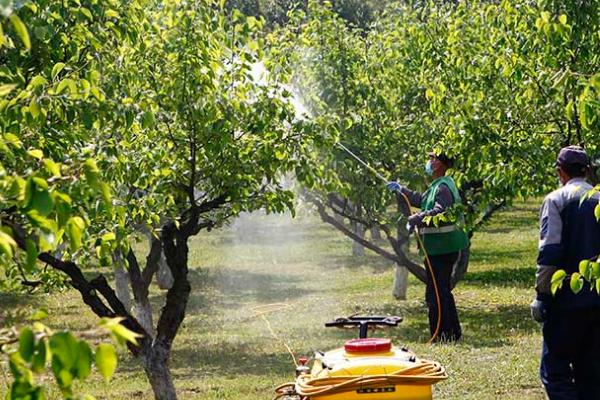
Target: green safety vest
444, 239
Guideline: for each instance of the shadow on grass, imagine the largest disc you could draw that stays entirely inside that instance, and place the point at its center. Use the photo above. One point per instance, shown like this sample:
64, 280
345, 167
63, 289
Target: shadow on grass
504, 277
481, 326
514, 218
17, 308
228, 359
377, 263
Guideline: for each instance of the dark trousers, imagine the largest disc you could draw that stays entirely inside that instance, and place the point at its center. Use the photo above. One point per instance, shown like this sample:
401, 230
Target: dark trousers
450, 326
570, 367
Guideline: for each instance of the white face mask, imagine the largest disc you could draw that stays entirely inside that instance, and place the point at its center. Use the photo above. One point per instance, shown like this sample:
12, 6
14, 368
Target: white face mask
429, 168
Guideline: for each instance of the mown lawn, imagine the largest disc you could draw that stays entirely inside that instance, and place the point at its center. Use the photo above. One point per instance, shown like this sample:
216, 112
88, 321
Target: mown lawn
304, 268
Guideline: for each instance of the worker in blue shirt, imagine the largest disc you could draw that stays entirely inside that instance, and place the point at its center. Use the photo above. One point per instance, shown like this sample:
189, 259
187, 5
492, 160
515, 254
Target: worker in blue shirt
569, 233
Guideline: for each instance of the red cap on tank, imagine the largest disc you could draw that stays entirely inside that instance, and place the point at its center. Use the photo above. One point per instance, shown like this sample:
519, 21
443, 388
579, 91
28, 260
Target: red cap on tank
369, 345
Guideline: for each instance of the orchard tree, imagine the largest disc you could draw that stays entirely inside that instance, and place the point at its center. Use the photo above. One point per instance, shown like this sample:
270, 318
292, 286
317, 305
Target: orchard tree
200, 140
49, 97
476, 80
174, 132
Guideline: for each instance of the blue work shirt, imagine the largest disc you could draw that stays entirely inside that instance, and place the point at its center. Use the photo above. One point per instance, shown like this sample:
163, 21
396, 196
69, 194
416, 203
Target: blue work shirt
569, 233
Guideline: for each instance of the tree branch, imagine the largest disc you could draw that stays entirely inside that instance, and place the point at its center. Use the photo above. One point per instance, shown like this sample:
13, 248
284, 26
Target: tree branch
88, 289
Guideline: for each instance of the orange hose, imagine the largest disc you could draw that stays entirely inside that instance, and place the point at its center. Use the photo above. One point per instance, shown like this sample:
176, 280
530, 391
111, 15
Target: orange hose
433, 278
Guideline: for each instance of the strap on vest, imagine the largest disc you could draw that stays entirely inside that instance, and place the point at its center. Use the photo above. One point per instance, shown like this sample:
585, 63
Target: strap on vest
434, 229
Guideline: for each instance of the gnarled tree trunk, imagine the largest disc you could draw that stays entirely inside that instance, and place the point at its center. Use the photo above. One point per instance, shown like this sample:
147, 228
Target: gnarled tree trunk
164, 279
122, 280
156, 365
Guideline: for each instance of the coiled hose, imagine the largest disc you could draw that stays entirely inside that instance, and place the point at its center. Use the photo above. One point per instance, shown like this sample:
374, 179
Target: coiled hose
424, 372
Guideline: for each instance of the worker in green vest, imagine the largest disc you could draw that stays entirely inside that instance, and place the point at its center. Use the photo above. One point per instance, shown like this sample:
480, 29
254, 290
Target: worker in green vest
443, 241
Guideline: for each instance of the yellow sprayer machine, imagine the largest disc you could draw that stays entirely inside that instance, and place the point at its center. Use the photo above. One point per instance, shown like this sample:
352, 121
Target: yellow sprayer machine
364, 369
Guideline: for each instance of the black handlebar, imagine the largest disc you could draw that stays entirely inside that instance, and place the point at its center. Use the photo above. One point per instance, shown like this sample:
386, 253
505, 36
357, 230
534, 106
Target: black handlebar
364, 322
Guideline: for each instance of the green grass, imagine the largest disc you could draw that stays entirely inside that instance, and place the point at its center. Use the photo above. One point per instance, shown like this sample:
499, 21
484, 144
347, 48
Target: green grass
225, 351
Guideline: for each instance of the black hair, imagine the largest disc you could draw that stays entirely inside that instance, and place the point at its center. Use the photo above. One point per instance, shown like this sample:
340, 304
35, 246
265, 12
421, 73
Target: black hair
574, 170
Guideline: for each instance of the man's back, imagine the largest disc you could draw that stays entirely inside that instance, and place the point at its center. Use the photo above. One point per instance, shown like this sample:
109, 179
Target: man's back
569, 233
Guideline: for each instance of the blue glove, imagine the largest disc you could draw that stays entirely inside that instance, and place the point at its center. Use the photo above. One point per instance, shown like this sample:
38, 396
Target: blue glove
538, 311
413, 220
394, 186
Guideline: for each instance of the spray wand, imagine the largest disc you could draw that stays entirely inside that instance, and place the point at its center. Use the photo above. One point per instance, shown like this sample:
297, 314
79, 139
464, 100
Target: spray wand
421, 245
357, 158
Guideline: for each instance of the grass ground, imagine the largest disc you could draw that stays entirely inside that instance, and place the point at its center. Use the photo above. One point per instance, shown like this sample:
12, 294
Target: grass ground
225, 350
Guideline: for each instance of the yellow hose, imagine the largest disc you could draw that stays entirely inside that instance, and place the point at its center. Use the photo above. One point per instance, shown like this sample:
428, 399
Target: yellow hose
425, 372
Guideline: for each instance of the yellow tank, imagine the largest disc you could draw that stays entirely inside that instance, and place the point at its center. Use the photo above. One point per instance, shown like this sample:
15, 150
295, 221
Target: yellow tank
340, 363
364, 369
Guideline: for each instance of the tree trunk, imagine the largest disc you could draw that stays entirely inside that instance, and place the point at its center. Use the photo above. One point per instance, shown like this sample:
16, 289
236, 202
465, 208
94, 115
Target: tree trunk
357, 248
122, 281
143, 313
460, 268
401, 276
156, 366
375, 233
400, 282
164, 278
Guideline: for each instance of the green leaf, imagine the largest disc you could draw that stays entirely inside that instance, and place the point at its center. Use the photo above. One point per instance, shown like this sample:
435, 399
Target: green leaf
67, 82
97, 94
37, 196
83, 366
13, 140
7, 244
585, 268
280, 155
41, 356
119, 332
36, 81
56, 69
147, 119
34, 108
106, 196
52, 167
32, 254
562, 19
21, 30
546, 16
36, 153
107, 237
557, 279
64, 348
595, 266
576, 282
87, 13
6, 89
39, 315
597, 212
74, 230
26, 344
106, 360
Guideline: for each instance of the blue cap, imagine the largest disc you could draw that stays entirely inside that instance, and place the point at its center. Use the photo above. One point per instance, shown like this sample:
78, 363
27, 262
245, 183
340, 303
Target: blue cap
571, 155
